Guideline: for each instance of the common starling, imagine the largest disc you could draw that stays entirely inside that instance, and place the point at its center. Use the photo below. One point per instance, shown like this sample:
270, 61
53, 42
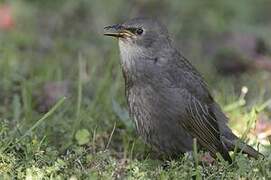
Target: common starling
167, 97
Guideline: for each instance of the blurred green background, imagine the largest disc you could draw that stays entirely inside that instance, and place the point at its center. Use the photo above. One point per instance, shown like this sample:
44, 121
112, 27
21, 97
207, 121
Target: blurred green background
50, 49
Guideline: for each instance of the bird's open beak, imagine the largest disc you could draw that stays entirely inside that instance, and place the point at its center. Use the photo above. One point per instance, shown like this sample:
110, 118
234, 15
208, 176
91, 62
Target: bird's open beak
117, 31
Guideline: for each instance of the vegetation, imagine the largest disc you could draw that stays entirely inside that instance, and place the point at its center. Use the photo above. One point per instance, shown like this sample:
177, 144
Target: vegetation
63, 113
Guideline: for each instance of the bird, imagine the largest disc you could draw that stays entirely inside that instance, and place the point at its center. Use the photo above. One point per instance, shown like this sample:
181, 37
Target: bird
167, 97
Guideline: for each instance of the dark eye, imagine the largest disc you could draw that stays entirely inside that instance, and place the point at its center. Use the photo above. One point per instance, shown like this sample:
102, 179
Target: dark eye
139, 31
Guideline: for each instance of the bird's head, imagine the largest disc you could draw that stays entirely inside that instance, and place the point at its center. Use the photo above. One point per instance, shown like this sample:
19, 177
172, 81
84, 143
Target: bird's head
143, 33
144, 44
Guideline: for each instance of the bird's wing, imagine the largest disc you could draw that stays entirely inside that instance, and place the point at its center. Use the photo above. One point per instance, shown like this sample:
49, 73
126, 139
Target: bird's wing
199, 120
201, 124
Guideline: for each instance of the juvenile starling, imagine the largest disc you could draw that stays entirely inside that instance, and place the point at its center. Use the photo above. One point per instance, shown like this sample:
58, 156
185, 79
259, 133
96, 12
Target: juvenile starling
167, 97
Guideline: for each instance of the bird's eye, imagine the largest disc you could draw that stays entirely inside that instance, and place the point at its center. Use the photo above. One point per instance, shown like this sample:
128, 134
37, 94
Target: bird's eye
139, 31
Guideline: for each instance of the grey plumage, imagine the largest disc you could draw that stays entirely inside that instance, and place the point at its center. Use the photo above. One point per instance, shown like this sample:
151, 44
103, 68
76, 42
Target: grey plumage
167, 97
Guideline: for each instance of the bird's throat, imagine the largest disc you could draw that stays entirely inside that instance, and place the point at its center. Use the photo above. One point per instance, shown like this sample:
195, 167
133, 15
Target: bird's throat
129, 55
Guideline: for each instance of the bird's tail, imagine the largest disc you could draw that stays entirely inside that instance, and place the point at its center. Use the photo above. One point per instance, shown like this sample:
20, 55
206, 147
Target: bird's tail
242, 147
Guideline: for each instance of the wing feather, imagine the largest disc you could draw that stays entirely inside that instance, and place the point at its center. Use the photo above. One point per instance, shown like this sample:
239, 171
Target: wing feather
202, 126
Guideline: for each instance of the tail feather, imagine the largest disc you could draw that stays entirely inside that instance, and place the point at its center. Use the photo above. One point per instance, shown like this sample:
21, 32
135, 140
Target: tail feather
242, 147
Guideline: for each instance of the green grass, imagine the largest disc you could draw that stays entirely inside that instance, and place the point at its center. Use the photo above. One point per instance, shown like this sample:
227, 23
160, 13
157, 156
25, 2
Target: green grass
87, 134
